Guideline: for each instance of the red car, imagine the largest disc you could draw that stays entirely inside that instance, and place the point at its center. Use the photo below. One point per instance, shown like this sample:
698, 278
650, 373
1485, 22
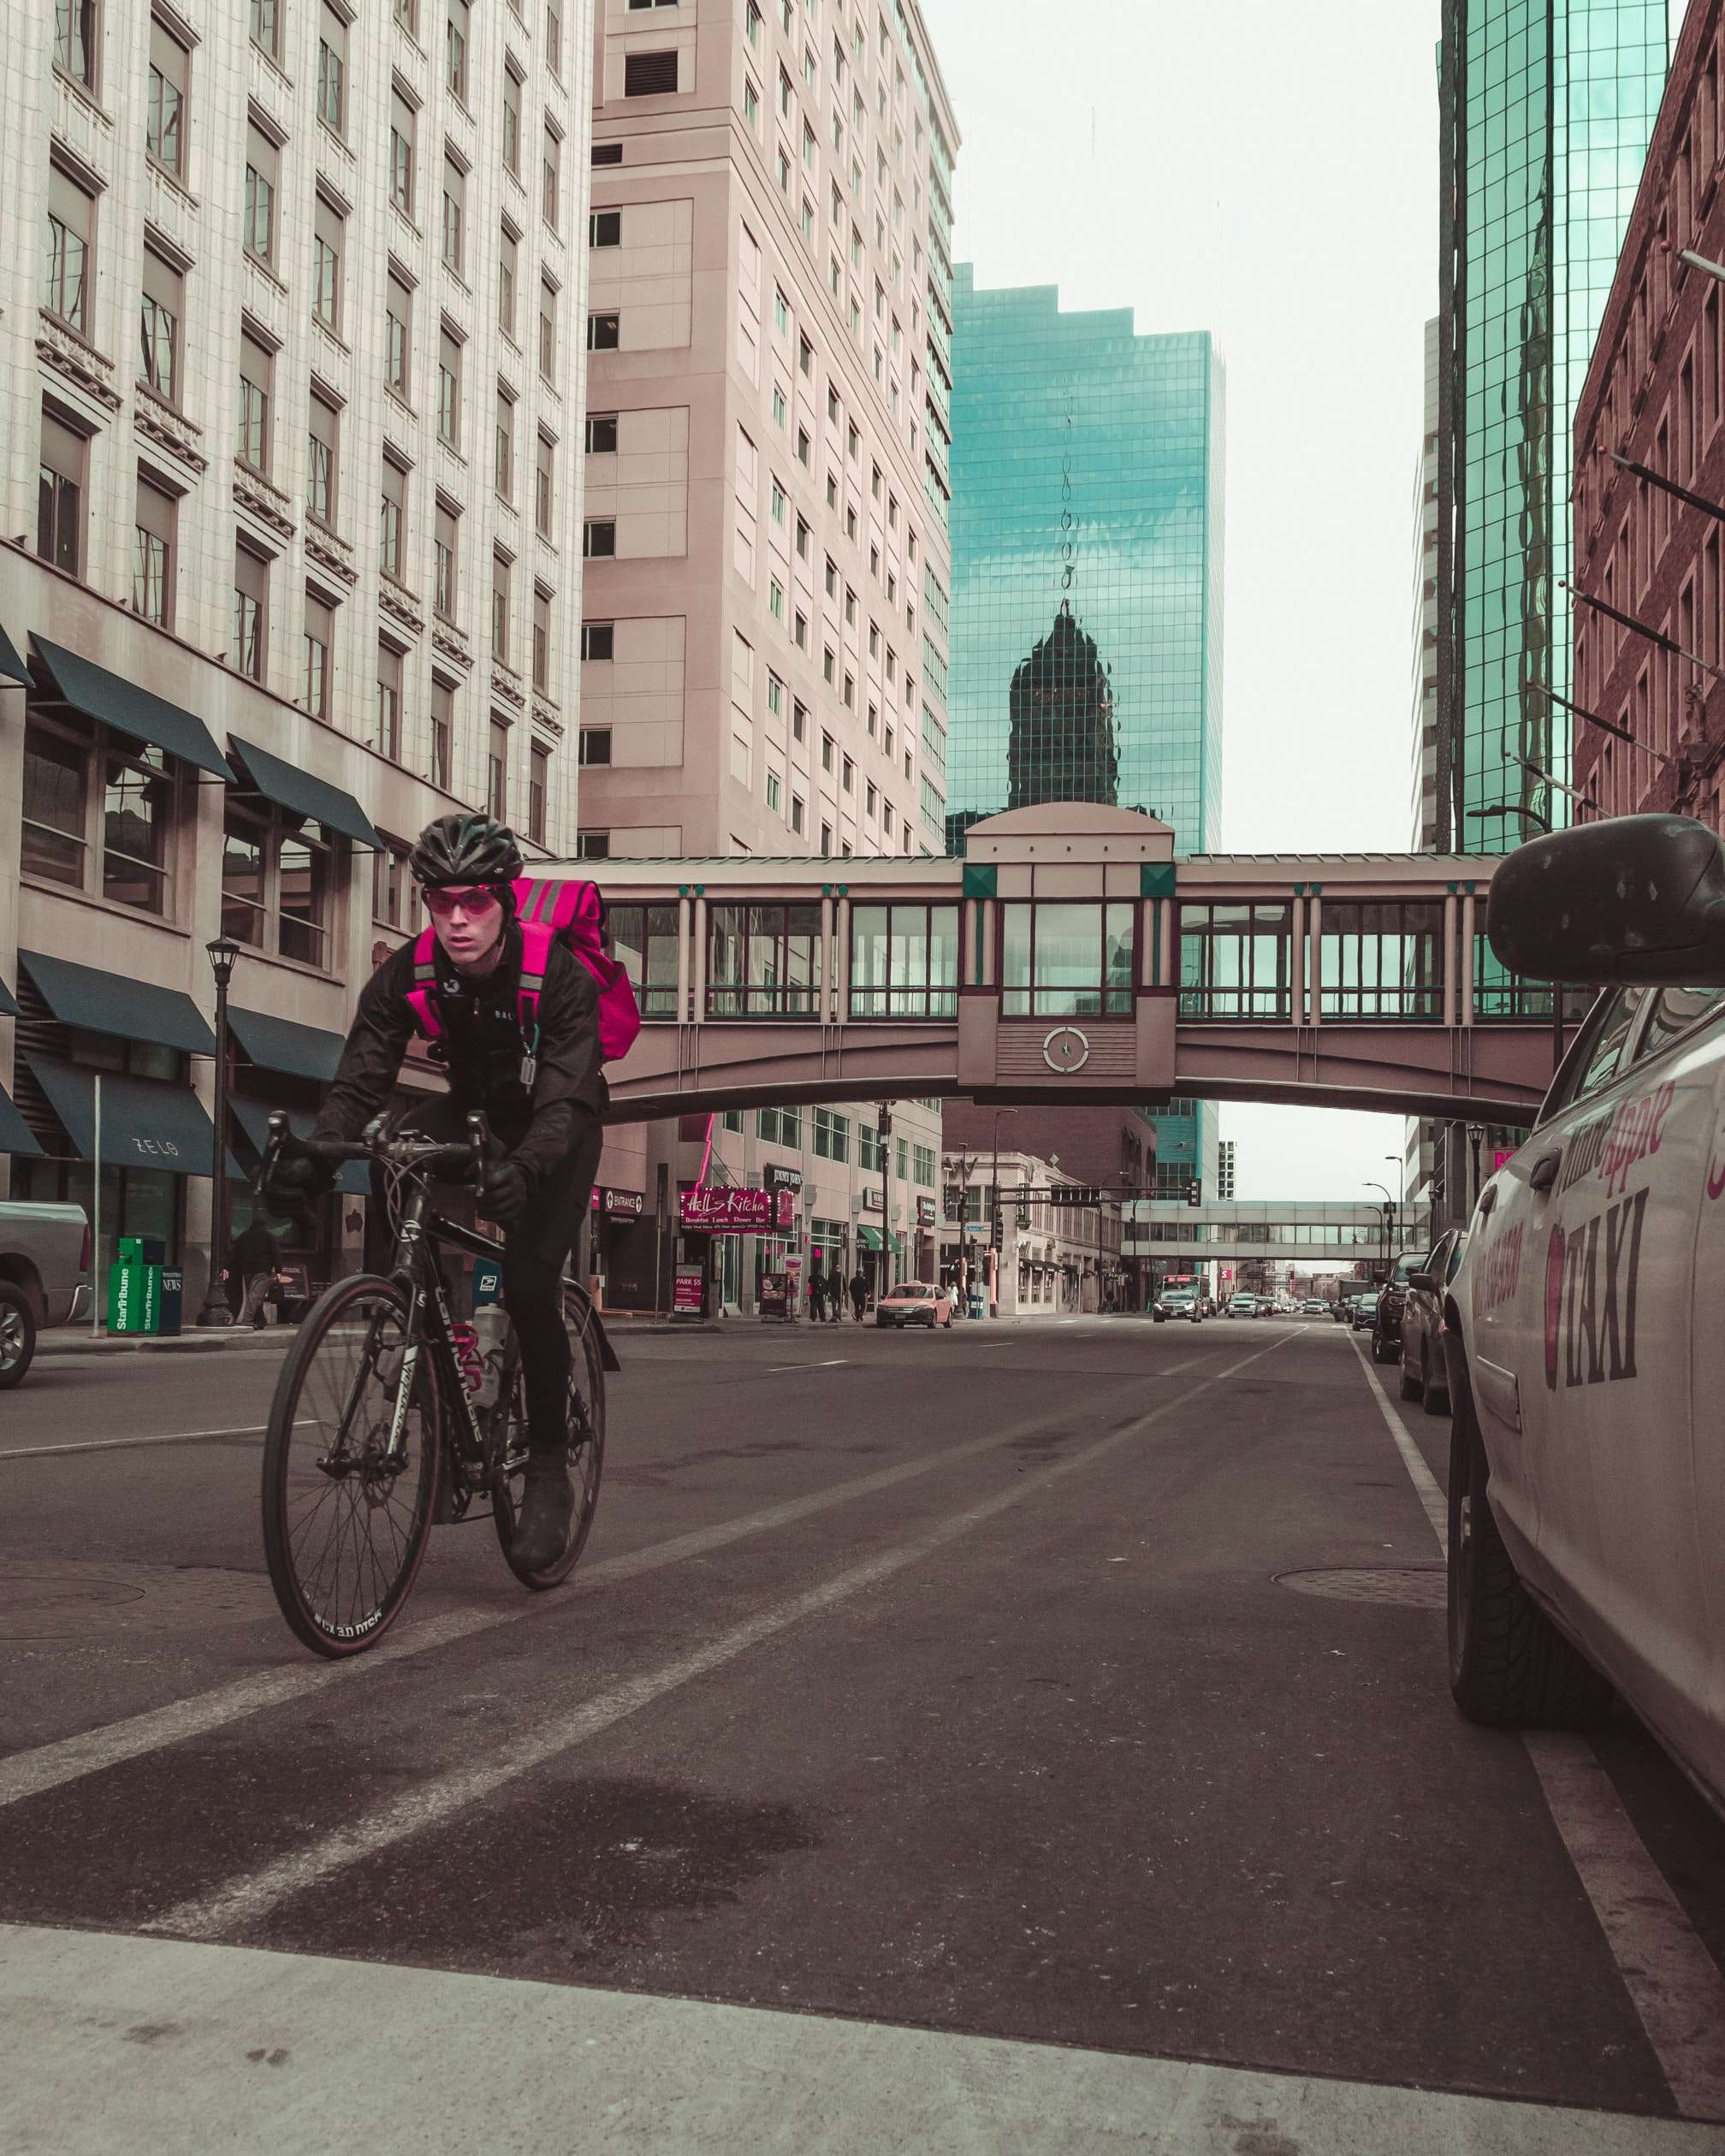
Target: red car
914, 1302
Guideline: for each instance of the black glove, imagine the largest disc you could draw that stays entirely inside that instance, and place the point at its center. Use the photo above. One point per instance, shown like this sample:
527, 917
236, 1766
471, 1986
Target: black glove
294, 1180
503, 1193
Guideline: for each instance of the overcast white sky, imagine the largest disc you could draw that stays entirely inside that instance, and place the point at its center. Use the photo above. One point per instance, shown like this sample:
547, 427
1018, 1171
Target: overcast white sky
1269, 173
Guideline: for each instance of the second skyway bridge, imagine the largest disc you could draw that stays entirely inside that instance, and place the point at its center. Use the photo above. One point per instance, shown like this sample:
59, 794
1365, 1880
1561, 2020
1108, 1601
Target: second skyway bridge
1071, 956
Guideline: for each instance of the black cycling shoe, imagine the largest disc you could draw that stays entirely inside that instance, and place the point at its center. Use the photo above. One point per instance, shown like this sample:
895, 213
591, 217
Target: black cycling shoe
548, 1506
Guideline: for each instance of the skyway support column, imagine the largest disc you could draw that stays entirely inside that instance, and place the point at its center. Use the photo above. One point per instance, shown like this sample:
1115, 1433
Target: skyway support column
1314, 951
1451, 911
686, 914
1297, 958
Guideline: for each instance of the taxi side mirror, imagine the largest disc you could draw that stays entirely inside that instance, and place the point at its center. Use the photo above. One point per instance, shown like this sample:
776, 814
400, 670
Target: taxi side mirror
1636, 899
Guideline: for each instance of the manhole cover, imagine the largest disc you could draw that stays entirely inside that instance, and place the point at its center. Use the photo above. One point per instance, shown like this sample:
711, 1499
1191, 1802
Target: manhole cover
51, 1598
1407, 1587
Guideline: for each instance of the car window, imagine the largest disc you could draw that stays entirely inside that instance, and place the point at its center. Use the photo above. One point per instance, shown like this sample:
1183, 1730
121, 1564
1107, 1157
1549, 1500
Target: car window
1611, 1034
1674, 1010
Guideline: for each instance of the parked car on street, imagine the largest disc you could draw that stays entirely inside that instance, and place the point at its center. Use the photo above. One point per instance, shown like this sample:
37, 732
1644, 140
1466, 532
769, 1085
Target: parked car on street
44, 1277
914, 1302
1178, 1302
1582, 1336
1363, 1314
1386, 1323
1424, 1377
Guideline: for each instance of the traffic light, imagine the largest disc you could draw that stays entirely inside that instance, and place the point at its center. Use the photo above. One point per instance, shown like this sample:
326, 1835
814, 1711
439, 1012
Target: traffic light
1024, 1215
1194, 1193
998, 1232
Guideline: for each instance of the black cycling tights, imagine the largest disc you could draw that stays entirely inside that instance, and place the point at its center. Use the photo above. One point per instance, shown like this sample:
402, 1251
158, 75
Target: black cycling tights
534, 1251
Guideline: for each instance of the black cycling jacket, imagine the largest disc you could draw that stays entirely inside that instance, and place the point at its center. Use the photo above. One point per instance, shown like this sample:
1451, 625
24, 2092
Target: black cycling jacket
482, 1052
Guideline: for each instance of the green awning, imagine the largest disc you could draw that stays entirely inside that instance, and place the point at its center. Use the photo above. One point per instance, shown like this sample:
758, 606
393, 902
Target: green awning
146, 1122
868, 1238
11, 665
283, 1044
302, 795
353, 1177
109, 1003
146, 717
16, 1134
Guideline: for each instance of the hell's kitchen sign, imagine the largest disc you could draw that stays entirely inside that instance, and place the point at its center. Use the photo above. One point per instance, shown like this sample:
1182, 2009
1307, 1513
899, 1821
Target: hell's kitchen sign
729, 1209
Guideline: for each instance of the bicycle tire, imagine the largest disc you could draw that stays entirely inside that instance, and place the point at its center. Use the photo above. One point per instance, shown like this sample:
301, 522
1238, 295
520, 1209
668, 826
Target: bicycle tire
586, 1448
308, 1394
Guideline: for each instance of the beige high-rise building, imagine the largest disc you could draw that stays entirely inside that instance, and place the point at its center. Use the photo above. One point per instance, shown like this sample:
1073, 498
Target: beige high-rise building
764, 659
290, 343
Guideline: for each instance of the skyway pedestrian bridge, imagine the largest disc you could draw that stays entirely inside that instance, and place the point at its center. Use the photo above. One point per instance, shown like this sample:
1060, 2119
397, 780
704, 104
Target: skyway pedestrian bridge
1070, 957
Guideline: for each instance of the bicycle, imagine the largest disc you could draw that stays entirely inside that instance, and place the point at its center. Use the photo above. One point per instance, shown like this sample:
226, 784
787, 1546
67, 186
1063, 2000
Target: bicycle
375, 1432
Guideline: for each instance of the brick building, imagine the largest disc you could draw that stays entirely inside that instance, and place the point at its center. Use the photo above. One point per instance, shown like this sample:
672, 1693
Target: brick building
1652, 400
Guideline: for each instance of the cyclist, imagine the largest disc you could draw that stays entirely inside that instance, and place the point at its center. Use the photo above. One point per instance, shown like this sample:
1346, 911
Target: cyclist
543, 1102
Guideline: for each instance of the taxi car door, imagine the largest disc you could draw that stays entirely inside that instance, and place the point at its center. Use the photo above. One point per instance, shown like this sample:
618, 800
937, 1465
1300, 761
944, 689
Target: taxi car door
1617, 1516
1514, 1231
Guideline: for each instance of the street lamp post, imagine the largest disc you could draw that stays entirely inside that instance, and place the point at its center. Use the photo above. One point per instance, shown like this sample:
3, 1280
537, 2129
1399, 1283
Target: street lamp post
999, 1249
223, 951
1388, 1215
885, 1128
1476, 1137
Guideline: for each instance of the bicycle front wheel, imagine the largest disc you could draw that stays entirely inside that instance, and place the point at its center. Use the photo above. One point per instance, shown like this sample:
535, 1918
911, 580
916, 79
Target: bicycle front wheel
347, 1511
586, 1446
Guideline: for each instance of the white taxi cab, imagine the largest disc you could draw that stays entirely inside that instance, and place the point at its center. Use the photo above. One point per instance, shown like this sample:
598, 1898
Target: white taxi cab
1585, 1329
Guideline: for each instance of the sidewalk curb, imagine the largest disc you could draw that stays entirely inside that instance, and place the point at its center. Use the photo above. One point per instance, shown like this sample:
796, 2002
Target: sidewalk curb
217, 1339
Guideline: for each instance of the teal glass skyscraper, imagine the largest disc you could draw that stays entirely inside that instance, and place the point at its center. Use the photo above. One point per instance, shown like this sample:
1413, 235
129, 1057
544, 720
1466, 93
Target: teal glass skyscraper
1547, 110
1085, 621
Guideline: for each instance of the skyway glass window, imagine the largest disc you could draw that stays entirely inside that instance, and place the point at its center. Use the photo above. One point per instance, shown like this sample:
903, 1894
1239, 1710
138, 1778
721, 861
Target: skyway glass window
1234, 959
904, 962
645, 938
764, 961
1068, 959
1381, 958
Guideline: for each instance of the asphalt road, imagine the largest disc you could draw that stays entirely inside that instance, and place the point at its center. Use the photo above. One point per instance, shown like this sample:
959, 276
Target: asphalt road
981, 1715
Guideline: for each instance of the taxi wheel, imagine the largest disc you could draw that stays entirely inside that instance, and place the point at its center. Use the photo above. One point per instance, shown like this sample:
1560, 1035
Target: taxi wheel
1509, 1666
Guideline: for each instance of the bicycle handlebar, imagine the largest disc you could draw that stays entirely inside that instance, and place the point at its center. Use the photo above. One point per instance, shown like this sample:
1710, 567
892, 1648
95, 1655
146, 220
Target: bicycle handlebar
406, 1150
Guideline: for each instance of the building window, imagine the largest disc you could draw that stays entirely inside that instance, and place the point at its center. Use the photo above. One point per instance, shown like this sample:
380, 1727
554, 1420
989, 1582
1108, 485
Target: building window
163, 309
551, 178
152, 561
397, 339
593, 845
76, 40
538, 790
165, 126
605, 229
256, 375
442, 728
544, 476
392, 519
454, 234
650, 75
71, 221
512, 122
332, 69
598, 640
457, 25
406, 13
773, 792
509, 268
449, 389
548, 328
542, 639
277, 883
501, 595
100, 813
401, 153
595, 745
599, 538
503, 445
251, 613
832, 1133
389, 735
316, 682
601, 433
321, 443
497, 772
446, 546
603, 331
751, 103
263, 170
329, 234
553, 36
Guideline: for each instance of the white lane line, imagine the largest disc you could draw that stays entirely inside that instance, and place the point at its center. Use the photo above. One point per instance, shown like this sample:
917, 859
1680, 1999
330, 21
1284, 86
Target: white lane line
837, 1362
1425, 1482
1673, 1982
117, 1444
246, 1899
68, 1758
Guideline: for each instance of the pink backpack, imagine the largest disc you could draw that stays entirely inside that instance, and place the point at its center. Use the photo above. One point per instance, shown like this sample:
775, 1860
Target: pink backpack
568, 913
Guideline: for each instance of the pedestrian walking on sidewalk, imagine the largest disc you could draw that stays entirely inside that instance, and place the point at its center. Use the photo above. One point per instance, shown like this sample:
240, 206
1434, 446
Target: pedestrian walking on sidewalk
817, 1295
835, 1292
255, 1256
859, 1293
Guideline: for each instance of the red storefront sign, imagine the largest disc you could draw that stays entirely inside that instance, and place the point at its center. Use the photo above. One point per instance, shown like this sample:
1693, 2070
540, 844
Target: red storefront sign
728, 1209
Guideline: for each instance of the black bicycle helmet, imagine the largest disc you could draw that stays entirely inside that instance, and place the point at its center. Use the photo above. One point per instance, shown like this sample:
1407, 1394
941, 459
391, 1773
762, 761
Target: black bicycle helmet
466, 849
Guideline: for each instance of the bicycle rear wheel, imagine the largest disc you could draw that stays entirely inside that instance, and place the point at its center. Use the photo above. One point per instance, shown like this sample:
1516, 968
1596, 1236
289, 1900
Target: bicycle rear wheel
344, 1527
586, 1446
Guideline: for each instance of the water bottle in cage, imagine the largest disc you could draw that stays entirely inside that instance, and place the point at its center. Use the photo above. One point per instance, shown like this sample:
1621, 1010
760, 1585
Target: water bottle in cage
491, 1335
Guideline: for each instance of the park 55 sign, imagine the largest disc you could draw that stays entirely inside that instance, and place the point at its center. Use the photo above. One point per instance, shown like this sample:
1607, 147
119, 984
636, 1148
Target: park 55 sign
729, 1209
